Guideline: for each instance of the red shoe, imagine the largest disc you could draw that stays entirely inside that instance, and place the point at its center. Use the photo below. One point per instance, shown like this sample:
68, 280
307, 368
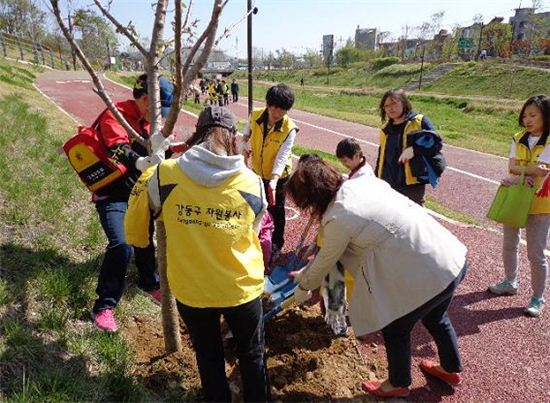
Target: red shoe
432, 368
374, 388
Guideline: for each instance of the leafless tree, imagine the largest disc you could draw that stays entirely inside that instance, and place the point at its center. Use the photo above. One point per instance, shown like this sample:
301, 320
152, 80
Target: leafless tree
185, 71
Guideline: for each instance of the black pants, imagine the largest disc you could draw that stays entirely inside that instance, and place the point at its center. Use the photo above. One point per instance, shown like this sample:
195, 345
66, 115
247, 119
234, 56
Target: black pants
235, 96
278, 212
245, 322
397, 336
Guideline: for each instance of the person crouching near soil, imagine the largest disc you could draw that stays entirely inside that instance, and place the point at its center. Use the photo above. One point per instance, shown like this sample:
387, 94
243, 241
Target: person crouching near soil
212, 206
406, 267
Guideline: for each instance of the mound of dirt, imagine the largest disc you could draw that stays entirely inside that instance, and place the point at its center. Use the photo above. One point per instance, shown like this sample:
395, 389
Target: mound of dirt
305, 361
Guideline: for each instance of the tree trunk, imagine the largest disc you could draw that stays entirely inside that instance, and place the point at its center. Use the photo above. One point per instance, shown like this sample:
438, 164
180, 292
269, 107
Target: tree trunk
170, 318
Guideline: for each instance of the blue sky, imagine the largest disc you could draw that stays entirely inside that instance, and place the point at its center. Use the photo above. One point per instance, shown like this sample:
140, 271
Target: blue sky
297, 25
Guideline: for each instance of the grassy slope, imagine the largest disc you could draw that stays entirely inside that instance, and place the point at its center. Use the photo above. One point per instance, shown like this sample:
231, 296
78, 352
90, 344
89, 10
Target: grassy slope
358, 75
492, 80
51, 246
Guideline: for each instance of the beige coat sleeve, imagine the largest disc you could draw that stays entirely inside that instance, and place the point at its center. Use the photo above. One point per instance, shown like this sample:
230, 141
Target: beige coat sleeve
335, 242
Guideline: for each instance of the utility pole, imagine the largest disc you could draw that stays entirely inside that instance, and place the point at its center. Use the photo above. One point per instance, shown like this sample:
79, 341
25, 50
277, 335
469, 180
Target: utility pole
250, 11
422, 66
404, 42
69, 20
479, 43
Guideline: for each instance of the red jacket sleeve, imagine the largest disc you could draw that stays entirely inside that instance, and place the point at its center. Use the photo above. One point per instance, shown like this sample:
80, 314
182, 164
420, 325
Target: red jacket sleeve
112, 132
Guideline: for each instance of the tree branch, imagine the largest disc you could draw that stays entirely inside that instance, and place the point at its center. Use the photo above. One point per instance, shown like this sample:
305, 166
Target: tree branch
121, 28
99, 88
228, 30
176, 101
208, 35
153, 67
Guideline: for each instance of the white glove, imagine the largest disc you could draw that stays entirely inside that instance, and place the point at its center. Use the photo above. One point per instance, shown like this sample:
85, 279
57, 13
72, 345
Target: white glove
271, 192
159, 143
142, 163
406, 155
297, 275
301, 296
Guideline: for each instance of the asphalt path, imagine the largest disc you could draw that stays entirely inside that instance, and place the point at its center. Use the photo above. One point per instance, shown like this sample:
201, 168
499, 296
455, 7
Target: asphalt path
506, 355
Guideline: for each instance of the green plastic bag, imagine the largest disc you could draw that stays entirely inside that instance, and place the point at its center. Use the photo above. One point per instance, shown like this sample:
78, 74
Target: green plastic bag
512, 203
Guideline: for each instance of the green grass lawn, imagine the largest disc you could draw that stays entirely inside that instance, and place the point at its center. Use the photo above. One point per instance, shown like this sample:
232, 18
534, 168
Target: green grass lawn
466, 123
51, 248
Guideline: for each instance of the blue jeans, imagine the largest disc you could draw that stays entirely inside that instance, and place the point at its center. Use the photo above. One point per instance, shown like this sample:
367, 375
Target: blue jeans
397, 336
246, 324
118, 253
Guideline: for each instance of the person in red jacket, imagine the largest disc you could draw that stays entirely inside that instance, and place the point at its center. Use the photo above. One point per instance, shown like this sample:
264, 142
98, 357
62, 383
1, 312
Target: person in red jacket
112, 202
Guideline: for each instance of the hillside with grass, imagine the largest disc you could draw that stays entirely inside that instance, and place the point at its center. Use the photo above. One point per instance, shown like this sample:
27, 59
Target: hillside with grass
51, 247
357, 75
492, 80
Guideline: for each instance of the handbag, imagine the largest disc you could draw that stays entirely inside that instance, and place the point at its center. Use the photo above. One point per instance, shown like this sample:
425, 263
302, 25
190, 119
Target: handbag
512, 204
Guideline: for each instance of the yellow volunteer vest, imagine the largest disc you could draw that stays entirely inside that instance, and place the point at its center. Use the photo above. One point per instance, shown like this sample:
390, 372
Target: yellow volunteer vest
264, 150
412, 125
214, 255
138, 214
528, 157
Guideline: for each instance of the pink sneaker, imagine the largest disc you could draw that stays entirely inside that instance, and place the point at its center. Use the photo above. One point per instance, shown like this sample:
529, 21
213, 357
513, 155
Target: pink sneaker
105, 320
155, 295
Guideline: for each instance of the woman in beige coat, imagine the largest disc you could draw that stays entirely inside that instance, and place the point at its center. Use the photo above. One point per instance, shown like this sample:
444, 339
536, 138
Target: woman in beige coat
405, 264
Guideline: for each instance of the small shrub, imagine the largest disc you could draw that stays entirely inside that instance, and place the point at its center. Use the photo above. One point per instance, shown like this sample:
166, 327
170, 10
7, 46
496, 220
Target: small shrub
381, 62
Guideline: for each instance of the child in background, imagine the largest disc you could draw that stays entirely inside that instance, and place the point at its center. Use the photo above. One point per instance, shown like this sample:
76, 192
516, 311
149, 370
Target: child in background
529, 155
348, 152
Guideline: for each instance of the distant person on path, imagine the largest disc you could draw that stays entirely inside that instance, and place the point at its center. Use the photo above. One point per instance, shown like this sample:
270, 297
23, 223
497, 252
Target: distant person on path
483, 55
529, 154
350, 155
302, 82
212, 205
225, 87
235, 90
270, 135
405, 264
396, 164
112, 202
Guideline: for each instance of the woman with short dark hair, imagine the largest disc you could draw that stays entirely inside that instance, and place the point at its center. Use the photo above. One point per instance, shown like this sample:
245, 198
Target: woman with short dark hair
406, 267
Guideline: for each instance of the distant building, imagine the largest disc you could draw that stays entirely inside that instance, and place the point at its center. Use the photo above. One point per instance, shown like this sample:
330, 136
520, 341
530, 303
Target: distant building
526, 24
328, 49
366, 38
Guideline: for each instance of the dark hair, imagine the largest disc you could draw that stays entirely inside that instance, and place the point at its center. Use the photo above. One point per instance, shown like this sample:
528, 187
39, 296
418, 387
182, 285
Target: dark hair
313, 186
543, 103
280, 96
140, 87
395, 94
348, 148
308, 157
